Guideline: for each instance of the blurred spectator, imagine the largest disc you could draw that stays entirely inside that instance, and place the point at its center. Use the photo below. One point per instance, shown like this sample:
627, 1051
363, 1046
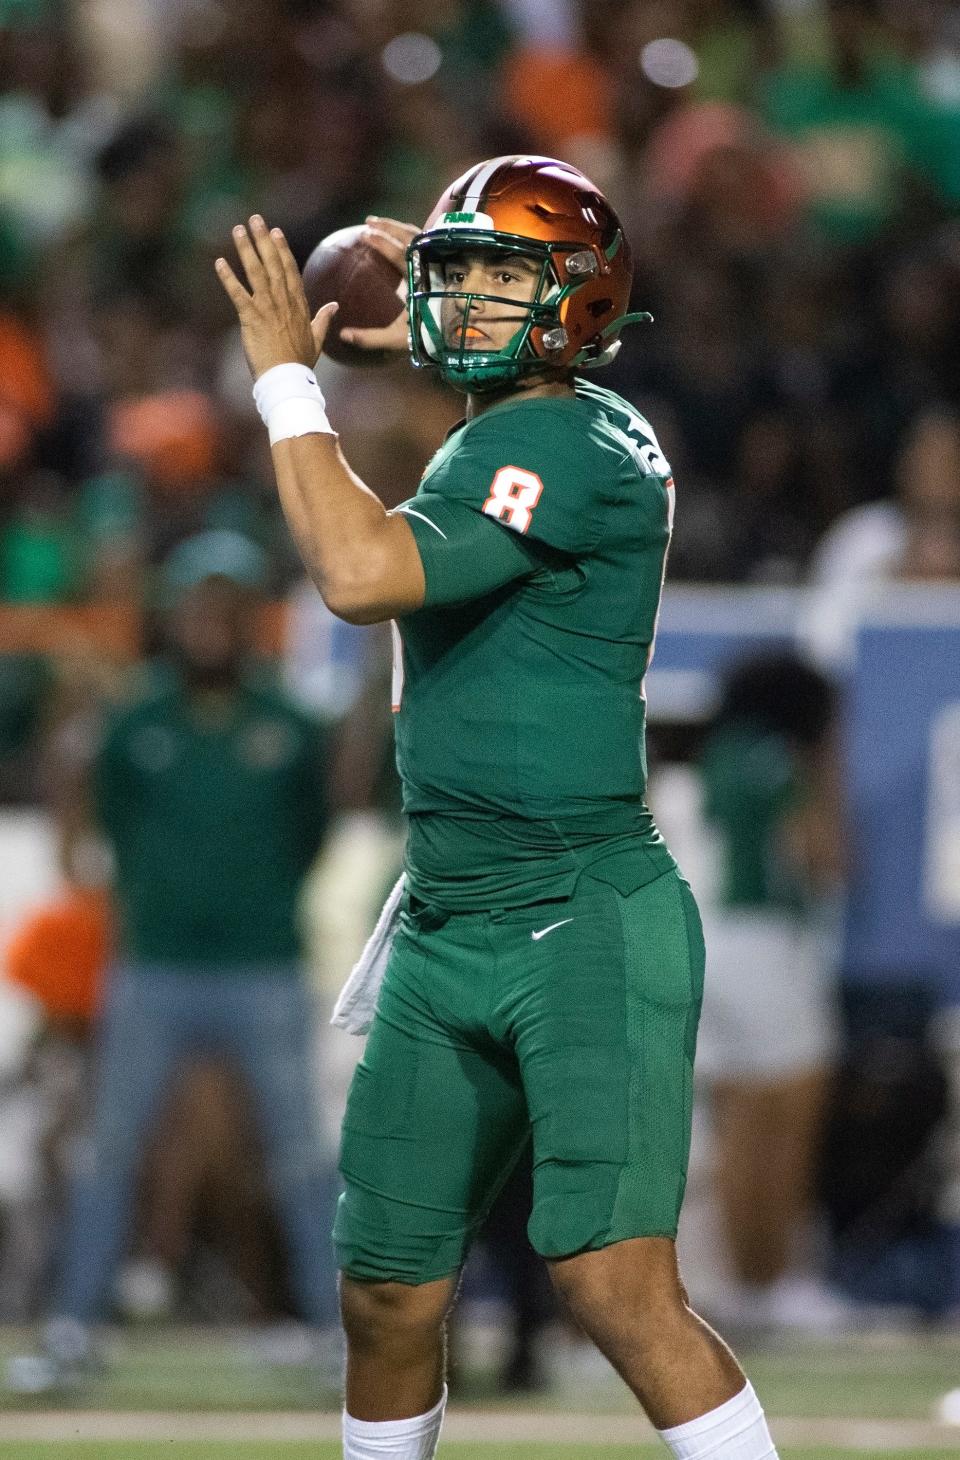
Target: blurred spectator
915, 538
38, 546
26, 688
523, 1281
44, 184
28, 389
172, 437
57, 957
59, 954
325, 658
769, 1028
735, 40
536, 74
110, 527
859, 125
135, 242
209, 789
786, 174
206, 1239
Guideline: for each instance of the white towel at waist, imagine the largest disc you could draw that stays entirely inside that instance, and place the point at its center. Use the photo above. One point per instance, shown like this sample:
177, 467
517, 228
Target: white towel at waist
357, 1003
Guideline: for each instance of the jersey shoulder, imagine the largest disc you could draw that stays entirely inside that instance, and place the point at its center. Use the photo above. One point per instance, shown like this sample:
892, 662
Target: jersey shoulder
545, 467
649, 477
625, 428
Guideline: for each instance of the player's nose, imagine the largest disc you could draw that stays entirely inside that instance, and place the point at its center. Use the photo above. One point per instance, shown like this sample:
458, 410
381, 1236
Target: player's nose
475, 282
469, 308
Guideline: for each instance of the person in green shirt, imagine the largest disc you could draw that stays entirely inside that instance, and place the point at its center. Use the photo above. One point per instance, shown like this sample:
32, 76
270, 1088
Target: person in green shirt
209, 789
546, 962
769, 1028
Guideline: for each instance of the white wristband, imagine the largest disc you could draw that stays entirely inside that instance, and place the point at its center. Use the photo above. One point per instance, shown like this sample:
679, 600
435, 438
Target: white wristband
297, 418
291, 402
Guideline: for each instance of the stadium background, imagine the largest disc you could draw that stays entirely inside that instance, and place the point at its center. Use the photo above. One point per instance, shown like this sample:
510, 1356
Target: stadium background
789, 175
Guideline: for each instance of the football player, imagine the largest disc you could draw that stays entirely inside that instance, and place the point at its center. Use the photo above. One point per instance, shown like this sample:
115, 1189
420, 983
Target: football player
546, 971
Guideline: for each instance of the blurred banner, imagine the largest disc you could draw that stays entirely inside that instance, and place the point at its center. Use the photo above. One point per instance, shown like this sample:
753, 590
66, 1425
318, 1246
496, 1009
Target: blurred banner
702, 632
902, 727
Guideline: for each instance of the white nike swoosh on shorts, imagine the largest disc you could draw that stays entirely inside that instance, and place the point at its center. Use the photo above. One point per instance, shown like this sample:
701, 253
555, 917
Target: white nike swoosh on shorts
544, 931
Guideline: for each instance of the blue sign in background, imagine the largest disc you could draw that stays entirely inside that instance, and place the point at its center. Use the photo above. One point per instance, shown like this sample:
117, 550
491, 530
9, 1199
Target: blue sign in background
902, 702
701, 633
901, 745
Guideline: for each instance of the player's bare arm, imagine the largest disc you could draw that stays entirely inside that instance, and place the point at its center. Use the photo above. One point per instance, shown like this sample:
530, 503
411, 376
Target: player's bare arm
363, 560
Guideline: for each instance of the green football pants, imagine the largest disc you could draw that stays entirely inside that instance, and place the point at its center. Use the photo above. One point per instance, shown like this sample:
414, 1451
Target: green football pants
575, 1019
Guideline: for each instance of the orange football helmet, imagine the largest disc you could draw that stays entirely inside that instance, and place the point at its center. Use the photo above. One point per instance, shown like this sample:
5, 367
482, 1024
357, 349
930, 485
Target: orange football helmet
551, 213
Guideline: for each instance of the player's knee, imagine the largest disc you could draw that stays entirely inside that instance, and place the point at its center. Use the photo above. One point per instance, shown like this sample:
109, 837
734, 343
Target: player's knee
637, 1279
375, 1313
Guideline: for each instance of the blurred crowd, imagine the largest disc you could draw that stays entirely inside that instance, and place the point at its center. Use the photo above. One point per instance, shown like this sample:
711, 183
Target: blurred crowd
788, 172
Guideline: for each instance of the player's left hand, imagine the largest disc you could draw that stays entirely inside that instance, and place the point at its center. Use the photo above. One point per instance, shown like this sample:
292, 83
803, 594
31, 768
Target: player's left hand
275, 323
391, 238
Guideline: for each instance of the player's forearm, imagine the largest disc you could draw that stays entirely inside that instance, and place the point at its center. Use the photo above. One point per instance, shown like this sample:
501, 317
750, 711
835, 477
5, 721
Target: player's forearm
333, 516
363, 561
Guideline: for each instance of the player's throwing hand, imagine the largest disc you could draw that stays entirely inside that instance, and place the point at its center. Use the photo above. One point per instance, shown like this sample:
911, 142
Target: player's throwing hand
275, 323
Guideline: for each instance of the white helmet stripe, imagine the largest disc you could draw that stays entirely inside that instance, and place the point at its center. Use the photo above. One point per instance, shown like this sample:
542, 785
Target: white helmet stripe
471, 201
475, 172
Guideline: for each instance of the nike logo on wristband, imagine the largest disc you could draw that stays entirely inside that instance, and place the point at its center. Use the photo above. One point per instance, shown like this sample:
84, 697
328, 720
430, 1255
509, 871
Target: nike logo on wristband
544, 931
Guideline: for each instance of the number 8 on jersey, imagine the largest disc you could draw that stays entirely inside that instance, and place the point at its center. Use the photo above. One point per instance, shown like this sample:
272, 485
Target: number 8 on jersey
513, 495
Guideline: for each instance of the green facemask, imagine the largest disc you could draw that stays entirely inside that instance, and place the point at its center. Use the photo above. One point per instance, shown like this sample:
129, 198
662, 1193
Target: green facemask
475, 370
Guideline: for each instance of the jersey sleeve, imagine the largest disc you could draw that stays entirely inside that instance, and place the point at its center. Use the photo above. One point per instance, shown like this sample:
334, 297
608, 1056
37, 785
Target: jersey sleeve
464, 554
530, 472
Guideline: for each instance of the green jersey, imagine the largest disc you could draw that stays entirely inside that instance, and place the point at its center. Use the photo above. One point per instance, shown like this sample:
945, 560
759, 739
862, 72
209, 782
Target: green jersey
213, 827
543, 526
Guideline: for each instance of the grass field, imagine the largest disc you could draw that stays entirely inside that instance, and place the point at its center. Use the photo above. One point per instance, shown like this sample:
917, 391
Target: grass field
123, 1450
210, 1395
282, 1450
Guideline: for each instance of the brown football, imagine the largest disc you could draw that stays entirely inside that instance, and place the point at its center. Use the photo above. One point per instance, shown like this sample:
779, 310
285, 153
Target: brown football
364, 284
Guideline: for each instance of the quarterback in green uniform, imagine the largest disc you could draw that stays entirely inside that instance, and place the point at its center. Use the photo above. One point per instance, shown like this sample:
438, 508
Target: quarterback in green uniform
546, 973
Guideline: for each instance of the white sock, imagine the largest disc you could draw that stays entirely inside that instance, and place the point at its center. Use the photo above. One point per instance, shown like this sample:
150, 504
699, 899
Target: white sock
735, 1430
401, 1439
